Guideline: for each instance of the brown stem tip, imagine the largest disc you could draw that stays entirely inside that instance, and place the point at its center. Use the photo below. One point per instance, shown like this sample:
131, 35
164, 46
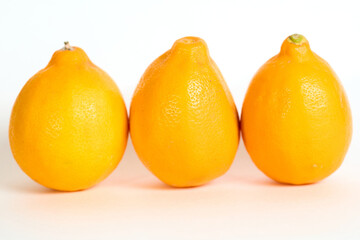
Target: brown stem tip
67, 46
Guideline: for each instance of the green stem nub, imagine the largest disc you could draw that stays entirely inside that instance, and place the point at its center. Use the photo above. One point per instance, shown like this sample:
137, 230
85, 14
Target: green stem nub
296, 38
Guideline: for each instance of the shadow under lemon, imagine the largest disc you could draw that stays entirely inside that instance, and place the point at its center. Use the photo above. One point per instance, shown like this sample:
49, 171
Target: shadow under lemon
130, 173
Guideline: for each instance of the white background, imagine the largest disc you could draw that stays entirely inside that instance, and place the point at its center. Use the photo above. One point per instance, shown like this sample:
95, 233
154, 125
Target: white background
123, 38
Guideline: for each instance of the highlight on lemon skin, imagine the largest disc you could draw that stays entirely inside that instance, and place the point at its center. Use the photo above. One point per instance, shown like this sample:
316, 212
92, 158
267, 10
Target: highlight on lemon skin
285, 116
177, 123
68, 127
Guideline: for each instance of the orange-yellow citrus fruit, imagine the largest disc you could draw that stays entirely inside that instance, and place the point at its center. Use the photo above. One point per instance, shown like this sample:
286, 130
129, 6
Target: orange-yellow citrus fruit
183, 121
296, 120
68, 127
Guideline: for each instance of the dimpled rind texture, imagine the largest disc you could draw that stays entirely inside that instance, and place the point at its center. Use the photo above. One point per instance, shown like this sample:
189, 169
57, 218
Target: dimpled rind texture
69, 128
183, 121
296, 121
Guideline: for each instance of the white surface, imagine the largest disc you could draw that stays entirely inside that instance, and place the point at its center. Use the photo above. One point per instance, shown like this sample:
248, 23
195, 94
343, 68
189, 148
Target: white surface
123, 39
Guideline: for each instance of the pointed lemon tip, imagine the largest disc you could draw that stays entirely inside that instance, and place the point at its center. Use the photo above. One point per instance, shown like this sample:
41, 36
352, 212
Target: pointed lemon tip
297, 39
190, 42
193, 45
296, 46
69, 55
